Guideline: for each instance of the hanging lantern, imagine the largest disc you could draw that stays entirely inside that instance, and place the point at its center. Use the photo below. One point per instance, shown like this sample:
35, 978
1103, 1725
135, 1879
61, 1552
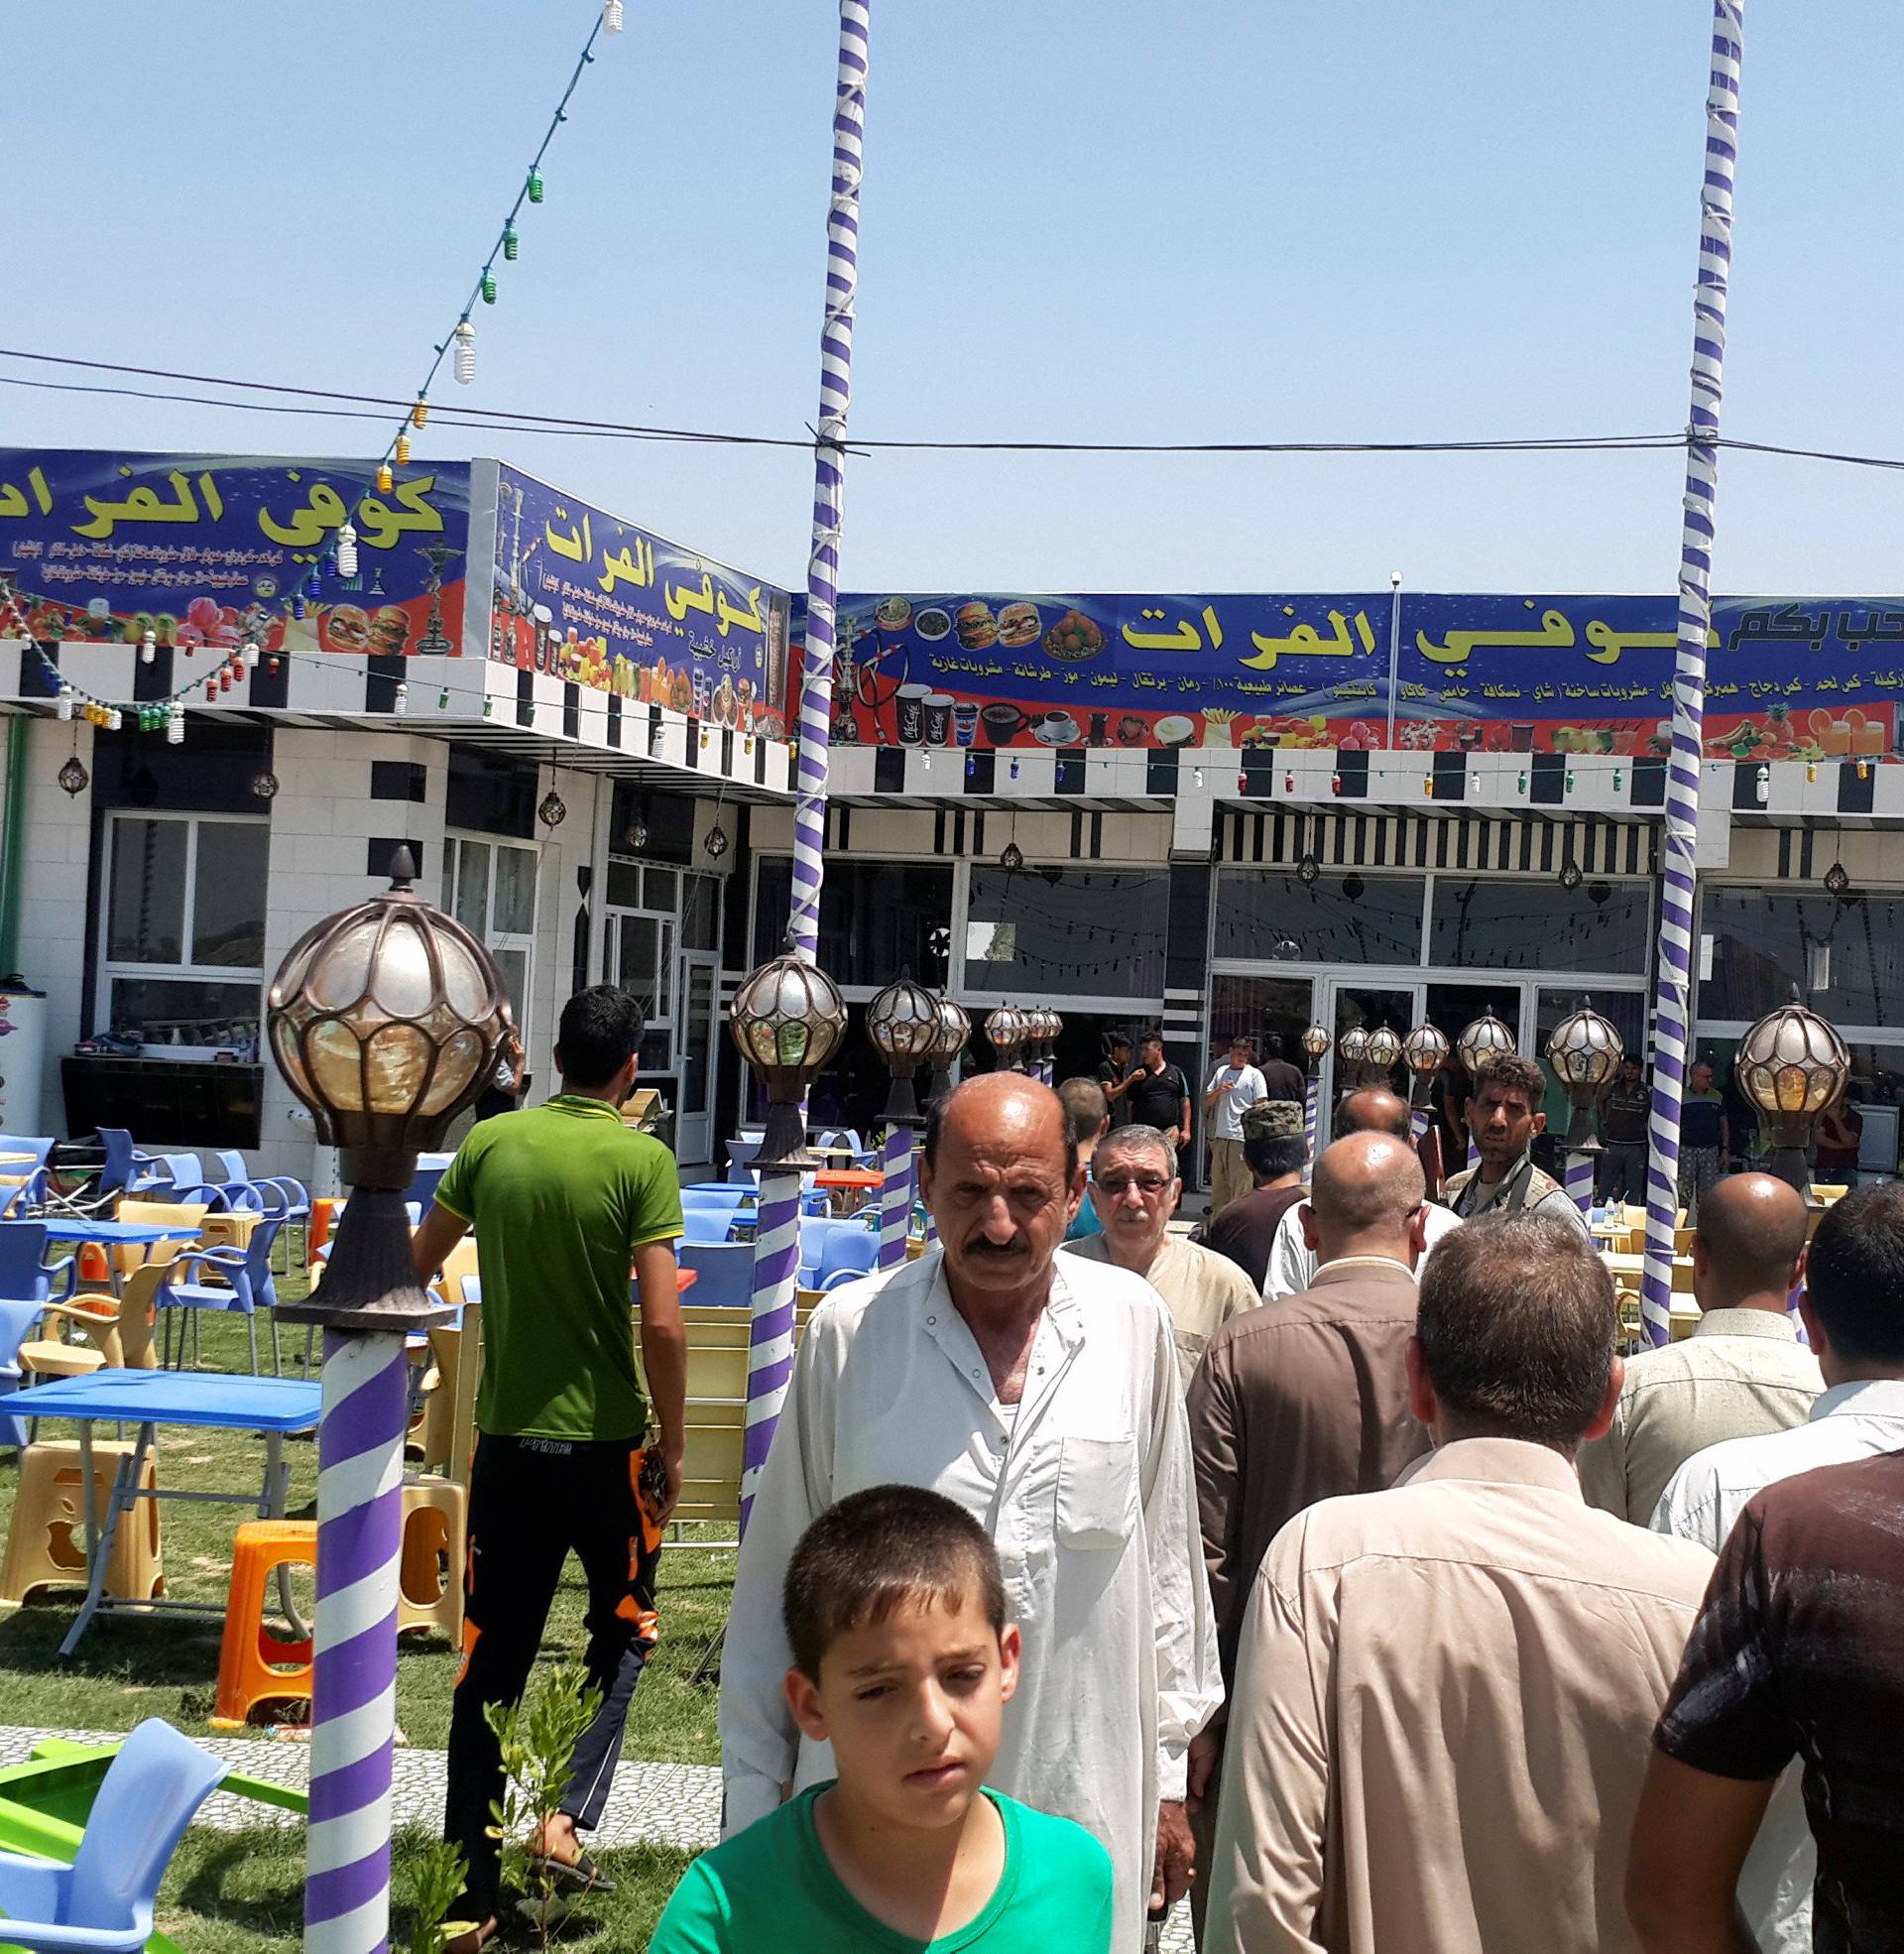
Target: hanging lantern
176, 725
1308, 870
788, 1019
553, 811
1792, 1065
488, 288
465, 337
347, 548
264, 786
716, 842
1012, 858
385, 482
511, 243
72, 777
1585, 1051
420, 413
403, 450
535, 186
148, 646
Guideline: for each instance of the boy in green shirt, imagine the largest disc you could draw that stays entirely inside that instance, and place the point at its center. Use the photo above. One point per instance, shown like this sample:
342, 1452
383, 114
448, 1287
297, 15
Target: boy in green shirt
563, 1198
903, 1661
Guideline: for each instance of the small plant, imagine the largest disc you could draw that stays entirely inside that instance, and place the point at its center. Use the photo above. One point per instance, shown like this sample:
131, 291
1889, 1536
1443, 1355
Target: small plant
435, 1882
537, 1737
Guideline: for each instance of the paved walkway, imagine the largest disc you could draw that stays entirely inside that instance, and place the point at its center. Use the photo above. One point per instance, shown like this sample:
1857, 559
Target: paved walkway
678, 1804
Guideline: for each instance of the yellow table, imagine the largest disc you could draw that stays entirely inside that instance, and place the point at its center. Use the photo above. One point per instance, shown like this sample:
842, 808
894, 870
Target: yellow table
1628, 1271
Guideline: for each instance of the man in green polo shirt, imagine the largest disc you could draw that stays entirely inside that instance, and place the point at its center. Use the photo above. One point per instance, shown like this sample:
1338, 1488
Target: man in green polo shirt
562, 1198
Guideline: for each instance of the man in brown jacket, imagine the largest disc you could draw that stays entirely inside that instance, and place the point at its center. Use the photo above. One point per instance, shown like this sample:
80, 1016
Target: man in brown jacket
1307, 1398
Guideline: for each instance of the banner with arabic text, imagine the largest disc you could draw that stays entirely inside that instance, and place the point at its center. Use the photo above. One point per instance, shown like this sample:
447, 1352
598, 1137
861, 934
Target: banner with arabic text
1786, 679
583, 594
212, 549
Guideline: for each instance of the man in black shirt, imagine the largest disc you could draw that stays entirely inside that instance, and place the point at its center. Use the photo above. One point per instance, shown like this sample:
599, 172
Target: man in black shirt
1115, 1075
1626, 1102
1156, 1094
1281, 1080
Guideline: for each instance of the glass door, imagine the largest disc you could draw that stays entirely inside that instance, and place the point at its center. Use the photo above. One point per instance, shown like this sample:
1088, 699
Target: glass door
699, 1044
1355, 1004
1451, 1009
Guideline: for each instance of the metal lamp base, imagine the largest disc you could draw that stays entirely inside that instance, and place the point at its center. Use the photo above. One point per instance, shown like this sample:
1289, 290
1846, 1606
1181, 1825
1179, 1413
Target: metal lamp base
370, 1280
783, 1144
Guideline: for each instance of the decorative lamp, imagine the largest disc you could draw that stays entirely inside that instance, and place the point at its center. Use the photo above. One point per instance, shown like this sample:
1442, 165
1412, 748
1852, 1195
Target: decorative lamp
489, 288
716, 842
1570, 876
902, 1021
1012, 858
612, 16
265, 785
1481, 1040
248, 654
465, 338
386, 1021
1007, 1030
512, 244
1315, 1044
1352, 1051
553, 811
1585, 1051
788, 1019
346, 563
420, 412
1424, 1051
148, 646
401, 450
1383, 1052
955, 1030
386, 482
1308, 870
1792, 1065
535, 186
72, 777
1835, 879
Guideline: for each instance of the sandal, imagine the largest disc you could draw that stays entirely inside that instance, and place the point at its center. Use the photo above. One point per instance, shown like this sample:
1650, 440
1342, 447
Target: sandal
577, 1874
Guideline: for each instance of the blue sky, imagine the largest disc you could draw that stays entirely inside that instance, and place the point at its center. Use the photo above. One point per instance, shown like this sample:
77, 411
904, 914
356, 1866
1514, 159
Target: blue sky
1083, 219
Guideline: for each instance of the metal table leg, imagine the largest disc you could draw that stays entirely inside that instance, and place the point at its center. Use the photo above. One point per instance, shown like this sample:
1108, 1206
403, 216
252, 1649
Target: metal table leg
125, 1492
274, 1496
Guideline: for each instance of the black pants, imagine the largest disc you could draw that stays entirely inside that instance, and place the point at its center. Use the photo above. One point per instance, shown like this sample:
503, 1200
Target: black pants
1622, 1171
532, 1500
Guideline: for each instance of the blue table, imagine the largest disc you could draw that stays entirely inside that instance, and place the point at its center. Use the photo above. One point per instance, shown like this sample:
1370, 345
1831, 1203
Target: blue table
115, 1233
273, 1406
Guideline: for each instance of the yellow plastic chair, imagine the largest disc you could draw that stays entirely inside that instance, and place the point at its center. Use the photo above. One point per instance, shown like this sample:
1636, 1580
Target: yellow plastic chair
46, 1541
128, 1255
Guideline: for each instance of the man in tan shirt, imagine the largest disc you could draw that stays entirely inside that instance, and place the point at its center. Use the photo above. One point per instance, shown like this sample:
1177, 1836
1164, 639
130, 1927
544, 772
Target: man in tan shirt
1742, 1373
1445, 1694
1134, 1184
1307, 1398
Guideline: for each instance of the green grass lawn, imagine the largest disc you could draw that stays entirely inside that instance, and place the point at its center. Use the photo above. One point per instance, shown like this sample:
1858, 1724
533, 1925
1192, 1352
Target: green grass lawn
243, 1891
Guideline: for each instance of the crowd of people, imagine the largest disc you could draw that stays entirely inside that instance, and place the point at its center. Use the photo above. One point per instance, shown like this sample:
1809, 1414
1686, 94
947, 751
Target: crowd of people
1334, 1570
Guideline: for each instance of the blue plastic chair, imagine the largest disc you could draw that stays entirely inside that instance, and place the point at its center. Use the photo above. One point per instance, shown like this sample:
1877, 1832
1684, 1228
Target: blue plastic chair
852, 1251
184, 1181
707, 1225
724, 1274
247, 1270
28, 1177
23, 1271
103, 1902
128, 1170
17, 1320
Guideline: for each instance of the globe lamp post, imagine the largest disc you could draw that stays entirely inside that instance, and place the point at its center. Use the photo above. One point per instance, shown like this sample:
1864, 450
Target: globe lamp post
902, 1022
1478, 1043
1585, 1051
1009, 1029
1792, 1065
1315, 1048
1425, 1051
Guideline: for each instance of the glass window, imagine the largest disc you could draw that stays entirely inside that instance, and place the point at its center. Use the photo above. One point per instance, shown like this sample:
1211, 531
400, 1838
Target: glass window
1528, 925
148, 911
624, 884
512, 909
1274, 916
1050, 931
228, 895
184, 931
700, 914
470, 903
663, 891
1847, 958
490, 889
1274, 1011
876, 919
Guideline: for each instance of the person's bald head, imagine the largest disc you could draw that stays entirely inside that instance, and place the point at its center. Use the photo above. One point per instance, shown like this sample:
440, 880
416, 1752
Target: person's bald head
1366, 1197
1008, 1108
1748, 1248
1374, 1109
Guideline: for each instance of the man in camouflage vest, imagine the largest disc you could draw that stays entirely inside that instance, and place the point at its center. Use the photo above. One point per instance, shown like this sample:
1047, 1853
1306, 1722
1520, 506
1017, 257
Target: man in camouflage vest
1504, 1116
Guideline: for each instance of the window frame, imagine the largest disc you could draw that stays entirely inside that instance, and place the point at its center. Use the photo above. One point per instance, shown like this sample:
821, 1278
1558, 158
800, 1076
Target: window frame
455, 840
114, 970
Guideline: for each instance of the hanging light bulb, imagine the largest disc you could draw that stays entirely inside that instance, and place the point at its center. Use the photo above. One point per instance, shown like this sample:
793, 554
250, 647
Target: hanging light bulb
385, 479
176, 725
212, 689
511, 243
535, 186
314, 582
489, 708
63, 705
274, 665
114, 719
443, 700
489, 288
400, 701
347, 548
248, 654
465, 337
614, 15
420, 413
148, 646
403, 450
224, 680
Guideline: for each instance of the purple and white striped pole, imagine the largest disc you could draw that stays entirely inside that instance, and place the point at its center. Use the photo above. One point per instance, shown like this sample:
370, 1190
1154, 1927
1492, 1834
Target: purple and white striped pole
360, 1477
895, 1193
1311, 1088
1673, 990
1578, 1181
769, 1356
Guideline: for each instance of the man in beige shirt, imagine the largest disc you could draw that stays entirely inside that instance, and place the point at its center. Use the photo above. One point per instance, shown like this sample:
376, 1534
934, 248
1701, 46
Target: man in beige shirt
1308, 1397
1134, 1184
1446, 1692
1742, 1373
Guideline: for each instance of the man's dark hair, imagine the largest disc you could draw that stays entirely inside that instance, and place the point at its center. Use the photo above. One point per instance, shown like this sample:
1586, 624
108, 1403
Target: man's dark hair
936, 1126
1272, 1154
600, 1031
1150, 1038
1518, 1326
1856, 1274
877, 1550
1508, 1072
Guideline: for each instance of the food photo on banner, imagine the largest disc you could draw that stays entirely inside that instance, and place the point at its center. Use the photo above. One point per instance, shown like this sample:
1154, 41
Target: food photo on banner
216, 550
1788, 678
592, 598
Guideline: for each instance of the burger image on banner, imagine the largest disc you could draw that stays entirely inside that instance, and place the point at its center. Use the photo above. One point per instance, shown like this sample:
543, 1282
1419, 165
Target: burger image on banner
389, 631
1018, 625
975, 626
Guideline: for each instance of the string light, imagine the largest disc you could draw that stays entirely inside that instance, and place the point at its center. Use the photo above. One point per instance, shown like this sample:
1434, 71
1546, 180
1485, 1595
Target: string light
148, 646
465, 338
403, 450
488, 285
347, 551
400, 700
176, 725
420, 413
63, 705
612, 16
250, 655
512, 242
533, 187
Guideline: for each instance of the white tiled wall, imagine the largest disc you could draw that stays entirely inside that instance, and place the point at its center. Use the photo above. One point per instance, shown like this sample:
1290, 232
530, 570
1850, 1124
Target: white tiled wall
53, 894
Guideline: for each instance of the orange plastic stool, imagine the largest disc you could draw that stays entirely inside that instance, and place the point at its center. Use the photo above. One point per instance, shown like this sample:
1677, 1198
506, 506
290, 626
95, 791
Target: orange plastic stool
254, 1666
95, 1271
317, 1233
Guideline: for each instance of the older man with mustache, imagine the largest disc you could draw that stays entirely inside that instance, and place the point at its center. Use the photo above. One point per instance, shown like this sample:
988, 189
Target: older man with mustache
1040, 1392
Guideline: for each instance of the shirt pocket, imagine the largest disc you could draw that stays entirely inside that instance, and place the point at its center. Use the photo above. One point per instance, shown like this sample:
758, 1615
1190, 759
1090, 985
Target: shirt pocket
1097, 1500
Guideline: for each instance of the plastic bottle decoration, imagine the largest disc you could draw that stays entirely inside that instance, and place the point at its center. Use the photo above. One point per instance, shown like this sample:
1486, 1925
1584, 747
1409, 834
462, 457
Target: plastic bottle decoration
248, 653
535, 186
465, 337
346, 550
385, 479
511, 243
489, 288
63, 705
443, 700
176, 725
148, 646
420, 413
400, 702
403, 450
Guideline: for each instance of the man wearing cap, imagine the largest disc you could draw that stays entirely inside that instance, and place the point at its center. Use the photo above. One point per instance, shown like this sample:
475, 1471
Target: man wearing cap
1233, 1089
1274, 1151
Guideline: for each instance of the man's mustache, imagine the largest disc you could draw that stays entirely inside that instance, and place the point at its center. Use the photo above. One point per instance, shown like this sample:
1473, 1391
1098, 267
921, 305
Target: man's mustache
983, 1244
